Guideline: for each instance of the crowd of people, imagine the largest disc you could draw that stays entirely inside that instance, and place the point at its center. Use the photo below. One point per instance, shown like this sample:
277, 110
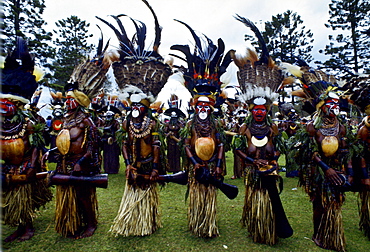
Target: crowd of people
85, 137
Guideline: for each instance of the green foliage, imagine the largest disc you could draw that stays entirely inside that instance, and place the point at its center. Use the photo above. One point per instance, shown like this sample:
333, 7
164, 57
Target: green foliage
37, 138
348, 50
121, 135
71, 41
24, 18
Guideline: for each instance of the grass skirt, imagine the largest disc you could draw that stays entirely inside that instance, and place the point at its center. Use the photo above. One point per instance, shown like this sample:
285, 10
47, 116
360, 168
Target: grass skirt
330, 234
202, 210
138, 214
18, 205
41, 193
258, 215
68, 214
364, 212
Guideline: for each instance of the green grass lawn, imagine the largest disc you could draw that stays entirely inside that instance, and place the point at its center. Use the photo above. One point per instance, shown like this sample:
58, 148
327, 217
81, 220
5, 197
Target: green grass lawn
174, 235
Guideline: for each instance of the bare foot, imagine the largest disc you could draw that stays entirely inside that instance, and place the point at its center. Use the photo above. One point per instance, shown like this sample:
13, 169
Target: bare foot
88, 232
72, 236
27, 235
317, 242
14, 235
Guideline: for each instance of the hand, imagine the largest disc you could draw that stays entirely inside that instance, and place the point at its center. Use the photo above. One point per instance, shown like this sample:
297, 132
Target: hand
44, 158
31, 173
77, 167
260, 162
366, 184
130, 171
350, 179
333, 177
197, 166
154, 175
218, 173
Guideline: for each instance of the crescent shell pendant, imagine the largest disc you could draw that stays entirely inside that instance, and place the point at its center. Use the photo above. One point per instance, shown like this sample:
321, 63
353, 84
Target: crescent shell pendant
259, 143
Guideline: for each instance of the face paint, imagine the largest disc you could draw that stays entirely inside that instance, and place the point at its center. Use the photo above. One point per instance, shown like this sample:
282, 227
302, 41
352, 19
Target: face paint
137, 109
203, 110
7, 108
331, 107
259, 113
71, 103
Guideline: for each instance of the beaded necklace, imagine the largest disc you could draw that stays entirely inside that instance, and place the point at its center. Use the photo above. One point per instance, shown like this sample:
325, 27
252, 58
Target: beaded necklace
15, 132
330, 127
142, 129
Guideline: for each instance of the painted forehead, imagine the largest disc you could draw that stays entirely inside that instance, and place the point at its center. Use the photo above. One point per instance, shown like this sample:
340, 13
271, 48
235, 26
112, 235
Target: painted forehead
332, 100
259, 107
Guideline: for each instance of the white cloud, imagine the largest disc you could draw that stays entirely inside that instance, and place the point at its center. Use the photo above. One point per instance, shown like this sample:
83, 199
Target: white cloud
211, 17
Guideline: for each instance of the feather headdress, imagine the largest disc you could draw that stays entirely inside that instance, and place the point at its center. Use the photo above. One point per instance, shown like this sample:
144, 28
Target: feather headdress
316, 85
174, 105
205, 65
138, 70
18, 82
88, 78
359, 91
259, 78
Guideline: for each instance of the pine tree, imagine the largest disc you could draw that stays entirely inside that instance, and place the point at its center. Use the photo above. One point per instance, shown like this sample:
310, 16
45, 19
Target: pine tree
349, 50
72, 47
287, 38
24, 18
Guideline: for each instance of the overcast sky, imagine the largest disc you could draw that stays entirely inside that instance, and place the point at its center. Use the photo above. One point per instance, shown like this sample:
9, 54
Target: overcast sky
214, 18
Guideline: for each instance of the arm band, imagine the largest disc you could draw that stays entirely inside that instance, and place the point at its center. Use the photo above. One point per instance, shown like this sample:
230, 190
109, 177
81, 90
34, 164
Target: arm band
324, 166
81, 160
155, 166
365, 173
350, 171
193, 160
219, 163
249, 159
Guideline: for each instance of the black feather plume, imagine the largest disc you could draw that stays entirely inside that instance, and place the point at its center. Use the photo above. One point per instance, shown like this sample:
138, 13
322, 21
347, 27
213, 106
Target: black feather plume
264, 58
18, 79
198, 44
158, 28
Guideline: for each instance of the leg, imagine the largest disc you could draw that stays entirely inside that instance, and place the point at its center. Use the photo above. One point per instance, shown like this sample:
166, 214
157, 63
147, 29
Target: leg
17, 233
318, 211
88, 209
29, 231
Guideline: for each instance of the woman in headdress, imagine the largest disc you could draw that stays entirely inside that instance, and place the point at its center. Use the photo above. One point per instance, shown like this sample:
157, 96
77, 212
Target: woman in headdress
21, 146
203, 134
110, 148
360, 86
259, 80
171, 130
77, 150
140, 75
325, 143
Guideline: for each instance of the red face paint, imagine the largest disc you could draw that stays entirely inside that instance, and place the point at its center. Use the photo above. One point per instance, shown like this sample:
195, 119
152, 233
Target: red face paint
7, 108
203, 110
71, 103
259, 113
331, 107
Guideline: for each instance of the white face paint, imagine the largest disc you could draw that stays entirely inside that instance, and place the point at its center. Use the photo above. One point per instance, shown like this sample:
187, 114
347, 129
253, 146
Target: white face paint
135, 113
203, 115
336, 111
